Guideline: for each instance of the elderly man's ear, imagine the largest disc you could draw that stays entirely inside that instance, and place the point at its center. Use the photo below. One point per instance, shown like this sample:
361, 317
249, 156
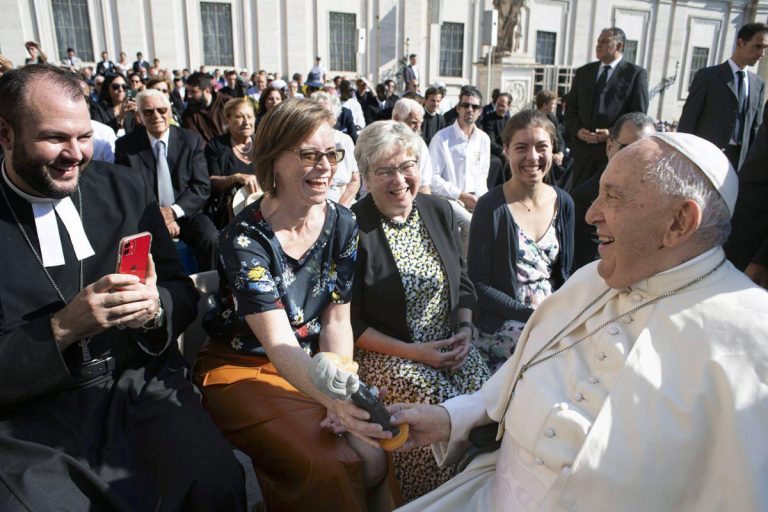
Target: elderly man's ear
6, 134
684, 224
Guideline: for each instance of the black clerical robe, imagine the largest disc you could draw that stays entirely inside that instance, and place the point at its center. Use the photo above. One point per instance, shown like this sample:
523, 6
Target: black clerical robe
133, 439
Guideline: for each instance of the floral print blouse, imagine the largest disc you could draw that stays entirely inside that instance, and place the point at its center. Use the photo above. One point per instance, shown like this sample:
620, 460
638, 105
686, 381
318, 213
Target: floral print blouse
257, 276
535, 261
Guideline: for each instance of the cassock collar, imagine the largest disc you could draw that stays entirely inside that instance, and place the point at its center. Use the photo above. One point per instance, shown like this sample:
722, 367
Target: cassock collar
681, 274
45, 210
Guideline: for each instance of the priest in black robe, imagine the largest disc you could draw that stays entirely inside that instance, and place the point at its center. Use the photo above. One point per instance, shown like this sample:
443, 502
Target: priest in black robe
97, 411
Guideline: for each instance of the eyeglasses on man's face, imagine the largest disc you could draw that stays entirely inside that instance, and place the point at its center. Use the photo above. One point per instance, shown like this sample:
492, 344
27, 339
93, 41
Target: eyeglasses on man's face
149, 111
311, 157
473, 106
407, 169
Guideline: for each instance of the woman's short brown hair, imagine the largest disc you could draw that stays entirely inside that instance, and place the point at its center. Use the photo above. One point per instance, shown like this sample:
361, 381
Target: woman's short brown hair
527, 119
236, 104
283, 128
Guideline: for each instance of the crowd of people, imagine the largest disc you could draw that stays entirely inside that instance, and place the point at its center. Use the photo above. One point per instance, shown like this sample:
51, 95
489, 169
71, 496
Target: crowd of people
448, 249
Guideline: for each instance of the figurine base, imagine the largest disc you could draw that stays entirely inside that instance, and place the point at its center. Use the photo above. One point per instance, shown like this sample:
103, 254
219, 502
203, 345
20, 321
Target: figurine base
397, 441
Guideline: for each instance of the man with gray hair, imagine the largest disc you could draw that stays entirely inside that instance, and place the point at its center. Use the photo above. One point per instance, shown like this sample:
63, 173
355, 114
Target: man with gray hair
628, 129
172, 160
411, 113
642, 383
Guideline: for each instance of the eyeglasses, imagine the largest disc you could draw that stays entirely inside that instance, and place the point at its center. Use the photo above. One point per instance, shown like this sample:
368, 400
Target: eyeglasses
466, 105
164, 91
407, 169
313, 157
117, 87
149, 111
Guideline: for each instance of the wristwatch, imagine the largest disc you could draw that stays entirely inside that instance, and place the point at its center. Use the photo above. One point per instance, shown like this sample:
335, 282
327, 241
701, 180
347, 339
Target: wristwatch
156, 321
466, 324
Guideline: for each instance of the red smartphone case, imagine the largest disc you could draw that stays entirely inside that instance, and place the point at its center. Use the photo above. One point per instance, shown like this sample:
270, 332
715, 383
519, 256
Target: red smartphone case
133, 255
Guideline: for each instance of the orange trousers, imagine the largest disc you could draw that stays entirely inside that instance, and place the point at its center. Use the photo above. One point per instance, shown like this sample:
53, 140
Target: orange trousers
299, 465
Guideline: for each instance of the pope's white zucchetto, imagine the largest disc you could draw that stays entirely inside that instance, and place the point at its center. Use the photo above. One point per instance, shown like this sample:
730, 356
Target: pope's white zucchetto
710, 159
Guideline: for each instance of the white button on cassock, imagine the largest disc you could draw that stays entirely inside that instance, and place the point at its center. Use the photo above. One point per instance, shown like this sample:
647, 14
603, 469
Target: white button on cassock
538, 461
549, 432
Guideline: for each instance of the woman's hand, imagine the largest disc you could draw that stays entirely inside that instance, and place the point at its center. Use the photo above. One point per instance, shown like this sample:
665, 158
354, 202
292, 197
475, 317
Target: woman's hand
463, 342
432, 353
427, 423
248, 181
344, 414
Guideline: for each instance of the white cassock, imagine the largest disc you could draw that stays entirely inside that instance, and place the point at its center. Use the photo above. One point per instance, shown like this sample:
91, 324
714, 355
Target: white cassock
666, 410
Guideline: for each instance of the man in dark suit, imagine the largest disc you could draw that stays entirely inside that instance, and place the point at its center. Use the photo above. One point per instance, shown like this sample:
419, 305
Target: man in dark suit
492, 123
140, 63
173, 161
747, 247
725, 102
433, 119
104, 66
601, 93
628, 129
382, 108
410, 72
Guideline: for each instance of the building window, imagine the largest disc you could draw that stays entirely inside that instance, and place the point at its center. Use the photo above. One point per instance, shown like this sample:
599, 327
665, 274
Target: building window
699, 59
216, 21
630, 51
343, 27
451, 49
73, 28
545, 47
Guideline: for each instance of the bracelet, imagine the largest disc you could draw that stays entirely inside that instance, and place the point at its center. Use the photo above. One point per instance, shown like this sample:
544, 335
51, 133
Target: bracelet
466, 324
156, 321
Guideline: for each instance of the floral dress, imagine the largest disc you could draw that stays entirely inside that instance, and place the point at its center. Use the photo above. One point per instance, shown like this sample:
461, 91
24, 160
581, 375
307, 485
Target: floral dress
535, 263
428, 317
257, 276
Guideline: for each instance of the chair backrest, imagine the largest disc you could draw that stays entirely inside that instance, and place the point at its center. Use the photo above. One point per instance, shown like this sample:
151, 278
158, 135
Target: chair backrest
207, 283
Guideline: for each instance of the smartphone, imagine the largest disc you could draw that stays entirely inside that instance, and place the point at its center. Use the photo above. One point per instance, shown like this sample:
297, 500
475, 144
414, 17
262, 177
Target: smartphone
130, 94
133, 255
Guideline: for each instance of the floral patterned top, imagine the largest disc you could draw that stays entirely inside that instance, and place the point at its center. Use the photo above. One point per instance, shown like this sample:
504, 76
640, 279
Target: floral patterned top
535, 261
427, 297
257, 276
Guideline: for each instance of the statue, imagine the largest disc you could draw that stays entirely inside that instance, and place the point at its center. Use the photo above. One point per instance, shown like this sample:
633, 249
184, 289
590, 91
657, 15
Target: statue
510, 15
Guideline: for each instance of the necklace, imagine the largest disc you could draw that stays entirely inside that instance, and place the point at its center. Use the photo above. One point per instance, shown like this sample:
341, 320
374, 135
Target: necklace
247, 147
83, 342
519, 200
538, 358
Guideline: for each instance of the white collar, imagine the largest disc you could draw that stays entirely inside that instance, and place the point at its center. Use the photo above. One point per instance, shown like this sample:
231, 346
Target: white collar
735, 67
153, 140
612, 64
45, 210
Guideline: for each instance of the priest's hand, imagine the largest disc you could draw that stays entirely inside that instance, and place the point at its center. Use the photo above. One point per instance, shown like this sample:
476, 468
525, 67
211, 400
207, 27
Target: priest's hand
170, 221
147, 289
427, 423
113, 300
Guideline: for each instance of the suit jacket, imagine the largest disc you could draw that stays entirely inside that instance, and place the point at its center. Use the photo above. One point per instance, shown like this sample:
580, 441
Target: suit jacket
186, 161
585, 240
408, 75
345, 123
493, 125
378, 295
749, 236
103, 68
625, 91
712, 105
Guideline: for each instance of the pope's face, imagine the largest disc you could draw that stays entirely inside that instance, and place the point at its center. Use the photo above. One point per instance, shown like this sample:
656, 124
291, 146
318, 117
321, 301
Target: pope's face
52, 149
631, 216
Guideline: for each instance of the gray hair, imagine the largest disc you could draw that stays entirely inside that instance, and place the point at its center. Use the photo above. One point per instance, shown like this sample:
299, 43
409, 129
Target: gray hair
146, 94
638, 120
404, 107
677, 177
332, 100
379, 138
619, 34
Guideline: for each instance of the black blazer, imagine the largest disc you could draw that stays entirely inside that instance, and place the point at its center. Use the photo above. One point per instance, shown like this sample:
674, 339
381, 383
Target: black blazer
626, 91
712, 104
345, 123
186, 161
585, 235
378, 296
749, 238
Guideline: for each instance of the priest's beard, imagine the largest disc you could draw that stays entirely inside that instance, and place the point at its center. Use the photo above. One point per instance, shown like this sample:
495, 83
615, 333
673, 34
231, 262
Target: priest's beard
36, 173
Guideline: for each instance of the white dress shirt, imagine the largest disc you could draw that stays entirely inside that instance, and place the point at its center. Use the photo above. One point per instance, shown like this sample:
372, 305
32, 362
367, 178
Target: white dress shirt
459, 163
152, 142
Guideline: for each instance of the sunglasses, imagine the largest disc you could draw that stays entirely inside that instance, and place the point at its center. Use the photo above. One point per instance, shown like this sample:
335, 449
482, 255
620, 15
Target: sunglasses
313, 157
407, 169
470, 105
117, 87
149, 111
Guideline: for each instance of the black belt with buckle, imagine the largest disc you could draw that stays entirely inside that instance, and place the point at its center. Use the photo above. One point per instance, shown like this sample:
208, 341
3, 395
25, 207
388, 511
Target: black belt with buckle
88, 370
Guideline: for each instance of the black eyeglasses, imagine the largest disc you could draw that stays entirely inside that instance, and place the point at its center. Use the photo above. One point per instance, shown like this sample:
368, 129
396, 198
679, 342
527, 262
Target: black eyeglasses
149, 111
466, 105
313, 157
117, 87
407, 169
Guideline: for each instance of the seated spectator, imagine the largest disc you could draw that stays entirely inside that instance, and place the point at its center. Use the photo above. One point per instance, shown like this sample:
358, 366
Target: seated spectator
71, 61
412, 300
172, 160
205, 107
229, 158
410, 113
105, 66
233, 88
433, 119
136, 81
268, 99
287, 263
98, 410
117, 109
348, 100
164, 86
521, 239
346, 180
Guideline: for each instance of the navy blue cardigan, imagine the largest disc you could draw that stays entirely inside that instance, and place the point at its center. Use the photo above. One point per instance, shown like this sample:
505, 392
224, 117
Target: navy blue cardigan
491, 259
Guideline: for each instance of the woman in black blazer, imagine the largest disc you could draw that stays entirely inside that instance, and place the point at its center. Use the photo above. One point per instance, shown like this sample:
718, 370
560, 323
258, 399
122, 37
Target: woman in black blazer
412, 300
521, 238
